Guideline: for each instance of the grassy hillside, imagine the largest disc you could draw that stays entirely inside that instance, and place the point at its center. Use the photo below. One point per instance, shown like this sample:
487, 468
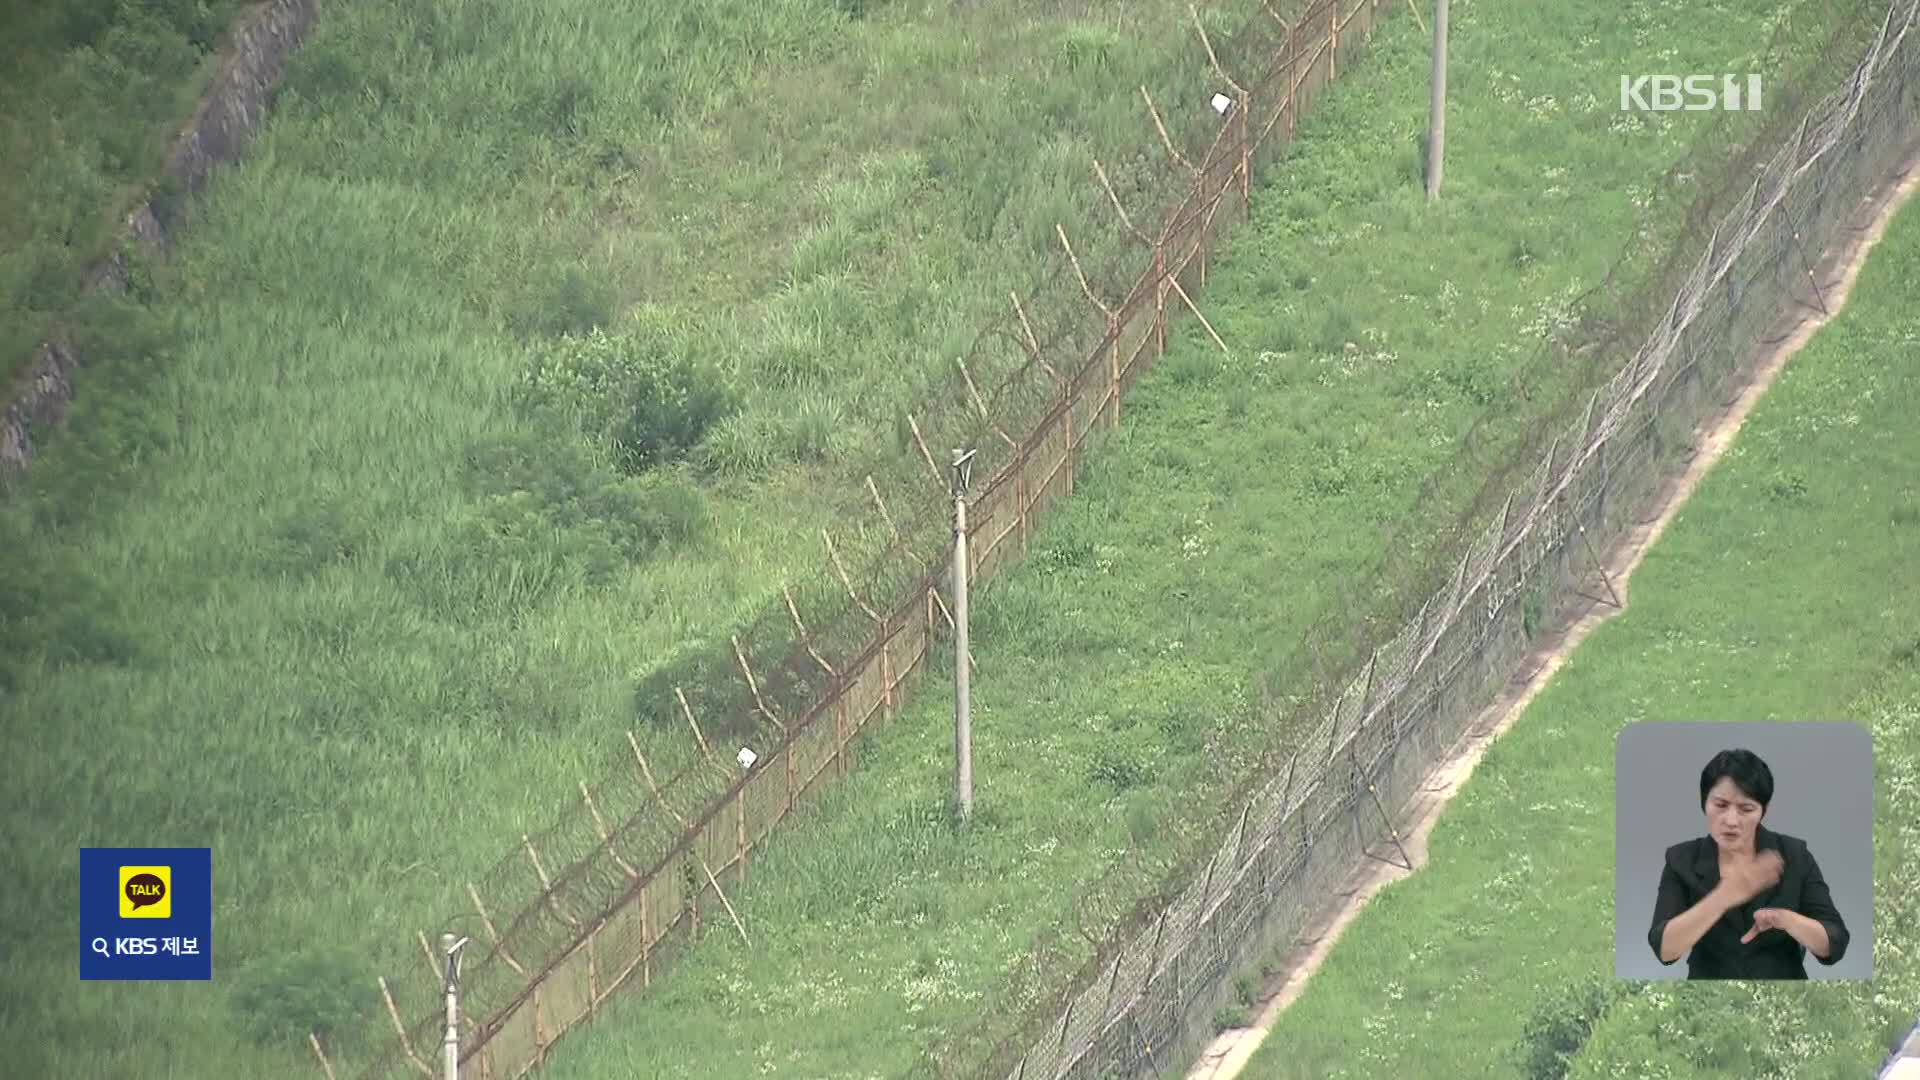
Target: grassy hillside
348, 567
349, 562
1812, 617
1121, 667
91, 94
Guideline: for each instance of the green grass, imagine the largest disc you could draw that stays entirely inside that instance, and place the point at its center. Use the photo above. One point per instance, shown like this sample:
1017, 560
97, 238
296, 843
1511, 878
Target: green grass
1239, 502
91, 94
307, 578
307, 581
1761, 601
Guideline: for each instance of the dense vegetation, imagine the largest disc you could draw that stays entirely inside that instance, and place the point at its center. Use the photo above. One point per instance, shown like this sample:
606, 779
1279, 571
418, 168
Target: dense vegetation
502, 373
91, 92
511, 363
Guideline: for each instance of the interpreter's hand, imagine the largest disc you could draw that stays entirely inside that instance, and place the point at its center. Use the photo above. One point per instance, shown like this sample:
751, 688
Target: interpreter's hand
1751, 878
1769, 918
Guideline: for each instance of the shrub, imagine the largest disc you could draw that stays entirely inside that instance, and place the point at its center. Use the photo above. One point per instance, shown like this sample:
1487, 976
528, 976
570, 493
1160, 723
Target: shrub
815, 430
743, 445
1230, 1016
282, 998
575, 304
543, 513
55, 608
562, 484
1085, 46
649, 396
1120, 765
1785, 485
1560, 1024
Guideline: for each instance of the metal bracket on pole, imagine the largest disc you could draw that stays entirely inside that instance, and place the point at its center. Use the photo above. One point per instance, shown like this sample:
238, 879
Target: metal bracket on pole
1806, 264
452, 947
1605, 578
1406, 861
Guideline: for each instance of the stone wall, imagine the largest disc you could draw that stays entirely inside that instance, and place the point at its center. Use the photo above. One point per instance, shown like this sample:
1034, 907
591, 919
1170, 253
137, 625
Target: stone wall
229, 114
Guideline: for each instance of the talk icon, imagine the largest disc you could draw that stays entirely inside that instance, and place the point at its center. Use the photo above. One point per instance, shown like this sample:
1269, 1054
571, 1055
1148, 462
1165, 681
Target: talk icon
146, 892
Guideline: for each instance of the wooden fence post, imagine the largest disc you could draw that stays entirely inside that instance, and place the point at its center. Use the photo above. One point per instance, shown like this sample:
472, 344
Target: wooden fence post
406, 1042
1243, 102
1113, 326
1333, 42
493, 932
325, 1066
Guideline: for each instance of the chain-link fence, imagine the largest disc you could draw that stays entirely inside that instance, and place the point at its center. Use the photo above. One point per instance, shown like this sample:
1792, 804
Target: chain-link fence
643, 862
1143, 1004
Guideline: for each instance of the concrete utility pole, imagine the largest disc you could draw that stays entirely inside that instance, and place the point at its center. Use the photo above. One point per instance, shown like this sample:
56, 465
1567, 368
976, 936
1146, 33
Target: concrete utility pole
1437, 106
963, 704
451, 1046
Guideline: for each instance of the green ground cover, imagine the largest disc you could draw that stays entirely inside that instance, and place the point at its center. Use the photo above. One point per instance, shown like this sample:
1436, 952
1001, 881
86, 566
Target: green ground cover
348, 564
1783, 590
309, 580
91, 92
1239, 502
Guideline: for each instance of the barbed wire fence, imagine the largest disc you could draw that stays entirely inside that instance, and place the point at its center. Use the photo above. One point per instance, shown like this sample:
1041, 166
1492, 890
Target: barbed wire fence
1142, 1002
641, 864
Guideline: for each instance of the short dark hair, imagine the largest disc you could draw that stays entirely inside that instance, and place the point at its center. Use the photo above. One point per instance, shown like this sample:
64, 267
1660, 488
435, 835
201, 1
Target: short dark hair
1745, 769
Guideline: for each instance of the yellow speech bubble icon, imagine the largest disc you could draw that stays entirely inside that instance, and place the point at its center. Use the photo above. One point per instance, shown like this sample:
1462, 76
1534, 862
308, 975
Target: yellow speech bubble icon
146, 892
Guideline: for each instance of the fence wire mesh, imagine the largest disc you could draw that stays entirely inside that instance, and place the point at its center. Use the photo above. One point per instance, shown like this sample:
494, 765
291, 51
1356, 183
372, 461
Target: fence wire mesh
1143, 1001
641, 863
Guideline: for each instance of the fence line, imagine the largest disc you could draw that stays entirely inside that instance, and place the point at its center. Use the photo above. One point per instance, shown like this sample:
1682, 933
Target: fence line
1147, 994
611, 904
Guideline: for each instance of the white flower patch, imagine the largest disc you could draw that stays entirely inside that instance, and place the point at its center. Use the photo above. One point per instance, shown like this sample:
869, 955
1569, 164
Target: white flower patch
1630, 123
1512, 884
1195, 543
921, 989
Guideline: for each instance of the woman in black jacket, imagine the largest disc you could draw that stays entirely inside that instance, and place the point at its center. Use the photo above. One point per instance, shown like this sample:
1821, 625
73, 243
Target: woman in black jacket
1743, 902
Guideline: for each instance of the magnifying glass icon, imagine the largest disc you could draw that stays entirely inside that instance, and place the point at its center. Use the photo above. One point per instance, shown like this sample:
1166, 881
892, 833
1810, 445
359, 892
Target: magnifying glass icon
100, 946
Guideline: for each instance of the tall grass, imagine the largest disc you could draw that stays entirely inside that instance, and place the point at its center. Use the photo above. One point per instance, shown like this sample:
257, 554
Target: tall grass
91, 92
1763, 600
311, 575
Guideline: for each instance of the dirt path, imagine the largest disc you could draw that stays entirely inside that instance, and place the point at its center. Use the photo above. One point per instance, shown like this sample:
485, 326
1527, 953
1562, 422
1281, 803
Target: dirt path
1835, 275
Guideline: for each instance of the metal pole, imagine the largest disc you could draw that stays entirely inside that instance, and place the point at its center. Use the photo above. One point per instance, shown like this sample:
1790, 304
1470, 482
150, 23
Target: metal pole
451, 1046
1437, 106
963, 704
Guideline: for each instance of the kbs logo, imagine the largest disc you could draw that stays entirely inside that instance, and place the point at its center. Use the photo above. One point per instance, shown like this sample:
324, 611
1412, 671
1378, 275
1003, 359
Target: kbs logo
1689, 93
146, 913
146, 892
